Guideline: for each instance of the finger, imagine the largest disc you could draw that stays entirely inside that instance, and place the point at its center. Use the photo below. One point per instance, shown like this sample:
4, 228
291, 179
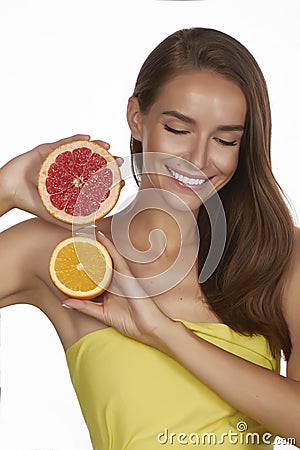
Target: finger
124, 282
119, 261
87, 307
45, 149
36, 207
76, 137
119, 160
102, 143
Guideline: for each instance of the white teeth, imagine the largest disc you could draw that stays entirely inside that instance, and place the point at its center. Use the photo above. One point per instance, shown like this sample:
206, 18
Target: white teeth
186, 180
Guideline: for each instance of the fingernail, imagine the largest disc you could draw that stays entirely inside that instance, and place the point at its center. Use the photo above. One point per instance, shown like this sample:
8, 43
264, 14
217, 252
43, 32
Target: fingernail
66, 306
73, 303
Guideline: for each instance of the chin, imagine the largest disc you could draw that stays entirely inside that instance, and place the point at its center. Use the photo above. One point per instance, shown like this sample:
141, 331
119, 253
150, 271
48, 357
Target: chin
192, 197
181, 202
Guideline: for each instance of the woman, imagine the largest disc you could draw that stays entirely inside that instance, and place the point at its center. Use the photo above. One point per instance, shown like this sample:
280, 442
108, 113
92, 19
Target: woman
177, 351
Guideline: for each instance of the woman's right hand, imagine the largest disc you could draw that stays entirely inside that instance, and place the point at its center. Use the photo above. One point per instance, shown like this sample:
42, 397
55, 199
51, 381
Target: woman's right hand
19, 180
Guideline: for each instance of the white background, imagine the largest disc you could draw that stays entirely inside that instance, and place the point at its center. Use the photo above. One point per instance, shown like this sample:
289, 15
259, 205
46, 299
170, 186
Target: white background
68, 67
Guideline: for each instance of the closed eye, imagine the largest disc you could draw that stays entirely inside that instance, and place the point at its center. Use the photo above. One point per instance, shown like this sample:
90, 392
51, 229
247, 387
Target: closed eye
226, 143
172, 130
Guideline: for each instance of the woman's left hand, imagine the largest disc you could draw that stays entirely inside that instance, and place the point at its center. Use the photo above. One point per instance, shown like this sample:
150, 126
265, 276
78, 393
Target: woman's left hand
131, 311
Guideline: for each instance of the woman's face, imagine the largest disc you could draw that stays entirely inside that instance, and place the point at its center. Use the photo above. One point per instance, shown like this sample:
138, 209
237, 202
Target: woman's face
192, 132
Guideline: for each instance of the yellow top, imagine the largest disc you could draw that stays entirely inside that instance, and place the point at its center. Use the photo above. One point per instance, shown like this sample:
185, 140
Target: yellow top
135, 397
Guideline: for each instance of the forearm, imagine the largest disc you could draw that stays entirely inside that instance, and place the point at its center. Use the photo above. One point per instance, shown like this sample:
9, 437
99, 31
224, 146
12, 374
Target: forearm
5, 203
267, 397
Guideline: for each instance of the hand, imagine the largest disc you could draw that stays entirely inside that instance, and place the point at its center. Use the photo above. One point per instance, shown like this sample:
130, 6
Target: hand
125, 306
19, 179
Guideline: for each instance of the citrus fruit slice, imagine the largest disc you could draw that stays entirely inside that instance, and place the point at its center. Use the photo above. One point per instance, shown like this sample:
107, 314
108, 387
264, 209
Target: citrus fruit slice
79, 182
80, 267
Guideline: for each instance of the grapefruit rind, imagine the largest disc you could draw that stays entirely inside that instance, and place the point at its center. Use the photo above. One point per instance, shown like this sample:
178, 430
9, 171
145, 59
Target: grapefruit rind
84, 295
105, 207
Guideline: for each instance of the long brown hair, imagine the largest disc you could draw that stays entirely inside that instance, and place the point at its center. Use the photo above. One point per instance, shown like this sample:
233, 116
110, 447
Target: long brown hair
246, 289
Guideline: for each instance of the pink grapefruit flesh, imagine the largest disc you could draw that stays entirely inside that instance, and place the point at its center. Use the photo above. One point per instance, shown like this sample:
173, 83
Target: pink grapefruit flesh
79, 182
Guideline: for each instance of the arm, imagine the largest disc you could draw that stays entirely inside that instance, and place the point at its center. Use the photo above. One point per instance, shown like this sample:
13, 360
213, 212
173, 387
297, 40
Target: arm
267, 397
19, 179
5, 203
24, 252
16, 280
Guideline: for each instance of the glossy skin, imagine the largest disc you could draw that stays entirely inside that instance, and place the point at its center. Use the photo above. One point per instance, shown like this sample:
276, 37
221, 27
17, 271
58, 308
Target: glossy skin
206, 100
211, 101
31, 283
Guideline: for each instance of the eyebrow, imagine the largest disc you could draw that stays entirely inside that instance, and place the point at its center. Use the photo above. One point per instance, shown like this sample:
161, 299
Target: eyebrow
189, 120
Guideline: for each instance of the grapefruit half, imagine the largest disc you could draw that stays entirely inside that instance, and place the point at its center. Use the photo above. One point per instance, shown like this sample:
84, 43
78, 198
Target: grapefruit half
79, 182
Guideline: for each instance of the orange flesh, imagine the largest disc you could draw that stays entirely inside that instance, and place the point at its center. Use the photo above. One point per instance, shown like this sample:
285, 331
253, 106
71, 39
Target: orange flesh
81, 267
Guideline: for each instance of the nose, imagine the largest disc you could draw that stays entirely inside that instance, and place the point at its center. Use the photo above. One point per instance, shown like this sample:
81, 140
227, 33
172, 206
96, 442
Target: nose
198, 154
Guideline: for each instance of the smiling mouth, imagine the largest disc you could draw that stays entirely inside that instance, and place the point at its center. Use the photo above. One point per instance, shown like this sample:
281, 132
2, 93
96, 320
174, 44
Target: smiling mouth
188, 181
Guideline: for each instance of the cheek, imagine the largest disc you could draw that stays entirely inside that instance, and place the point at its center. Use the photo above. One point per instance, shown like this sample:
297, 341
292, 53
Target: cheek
156, 139
227, 162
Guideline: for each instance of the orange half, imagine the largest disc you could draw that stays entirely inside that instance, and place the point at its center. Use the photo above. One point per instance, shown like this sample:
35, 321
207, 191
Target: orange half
80, 267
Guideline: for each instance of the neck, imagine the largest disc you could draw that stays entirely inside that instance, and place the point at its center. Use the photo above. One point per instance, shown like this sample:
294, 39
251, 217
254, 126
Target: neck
160, 242
150, 221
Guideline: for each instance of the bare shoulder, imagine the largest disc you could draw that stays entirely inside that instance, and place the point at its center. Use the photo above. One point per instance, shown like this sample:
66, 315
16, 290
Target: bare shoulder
34, 228
30, 244
36, 239
291, 308
25, 251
